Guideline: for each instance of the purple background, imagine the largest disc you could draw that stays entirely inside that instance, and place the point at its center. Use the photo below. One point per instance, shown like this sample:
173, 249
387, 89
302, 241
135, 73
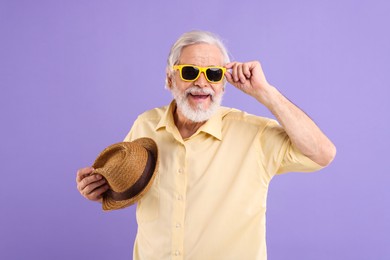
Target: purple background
75, 74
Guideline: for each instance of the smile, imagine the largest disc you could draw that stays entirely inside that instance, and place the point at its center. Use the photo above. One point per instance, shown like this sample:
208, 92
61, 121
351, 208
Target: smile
199, 96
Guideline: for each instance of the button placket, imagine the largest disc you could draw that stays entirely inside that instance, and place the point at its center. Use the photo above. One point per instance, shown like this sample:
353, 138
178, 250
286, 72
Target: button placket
180, 184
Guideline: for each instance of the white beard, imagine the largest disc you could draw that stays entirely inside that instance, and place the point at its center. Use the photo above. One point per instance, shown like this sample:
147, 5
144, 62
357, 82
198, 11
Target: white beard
199, 114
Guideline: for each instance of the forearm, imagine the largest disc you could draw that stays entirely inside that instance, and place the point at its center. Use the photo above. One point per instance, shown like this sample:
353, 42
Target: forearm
302, 131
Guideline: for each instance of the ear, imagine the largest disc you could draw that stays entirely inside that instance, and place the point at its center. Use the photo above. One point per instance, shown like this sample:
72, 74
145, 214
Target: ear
168, 80
224, 86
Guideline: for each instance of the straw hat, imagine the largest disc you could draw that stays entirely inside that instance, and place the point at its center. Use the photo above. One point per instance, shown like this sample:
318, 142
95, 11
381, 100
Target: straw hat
130, 169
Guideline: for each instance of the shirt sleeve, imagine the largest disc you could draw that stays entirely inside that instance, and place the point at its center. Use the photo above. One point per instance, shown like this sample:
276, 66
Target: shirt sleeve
130, 135
279, 155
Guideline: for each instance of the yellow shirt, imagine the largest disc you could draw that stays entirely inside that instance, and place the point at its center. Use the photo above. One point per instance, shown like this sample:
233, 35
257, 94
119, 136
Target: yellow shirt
209, 197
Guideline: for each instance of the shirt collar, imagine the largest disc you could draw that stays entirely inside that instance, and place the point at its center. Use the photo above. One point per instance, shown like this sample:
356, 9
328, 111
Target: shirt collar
213, 126
167, 120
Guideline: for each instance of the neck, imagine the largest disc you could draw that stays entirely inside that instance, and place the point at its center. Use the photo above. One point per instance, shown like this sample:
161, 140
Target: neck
185, 126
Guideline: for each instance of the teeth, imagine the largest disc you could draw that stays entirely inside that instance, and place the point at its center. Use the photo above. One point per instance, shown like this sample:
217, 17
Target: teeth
199, 92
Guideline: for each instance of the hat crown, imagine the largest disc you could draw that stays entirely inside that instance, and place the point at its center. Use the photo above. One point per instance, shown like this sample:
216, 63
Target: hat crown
122, 165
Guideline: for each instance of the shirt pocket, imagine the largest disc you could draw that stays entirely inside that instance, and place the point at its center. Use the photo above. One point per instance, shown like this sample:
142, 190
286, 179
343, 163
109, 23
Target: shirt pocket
149, 206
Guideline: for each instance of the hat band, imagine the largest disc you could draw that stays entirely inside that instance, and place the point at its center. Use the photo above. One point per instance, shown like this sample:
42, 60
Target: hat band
139, 185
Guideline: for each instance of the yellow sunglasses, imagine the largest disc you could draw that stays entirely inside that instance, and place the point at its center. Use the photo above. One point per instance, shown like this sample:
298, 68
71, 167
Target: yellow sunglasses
213, 74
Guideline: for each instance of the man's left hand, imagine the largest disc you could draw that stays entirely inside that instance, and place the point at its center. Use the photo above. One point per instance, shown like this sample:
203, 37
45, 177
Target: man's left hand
248, 77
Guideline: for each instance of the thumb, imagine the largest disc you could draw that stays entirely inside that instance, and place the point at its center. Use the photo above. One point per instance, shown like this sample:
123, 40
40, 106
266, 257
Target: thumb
229, 77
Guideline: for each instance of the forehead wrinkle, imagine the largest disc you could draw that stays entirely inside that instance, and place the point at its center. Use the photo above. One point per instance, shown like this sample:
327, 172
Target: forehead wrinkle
200, 61
201, 55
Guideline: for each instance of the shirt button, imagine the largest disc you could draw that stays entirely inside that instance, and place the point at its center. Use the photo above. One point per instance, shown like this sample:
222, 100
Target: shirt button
177, 253
178, 225
180, 171
179, 197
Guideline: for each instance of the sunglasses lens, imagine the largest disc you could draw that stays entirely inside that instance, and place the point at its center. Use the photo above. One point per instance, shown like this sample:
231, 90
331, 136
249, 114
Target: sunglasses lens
214, 74
189, 73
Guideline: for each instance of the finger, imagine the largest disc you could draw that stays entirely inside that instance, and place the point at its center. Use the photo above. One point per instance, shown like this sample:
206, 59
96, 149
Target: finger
246, 70
234, 67
228, 76
97, 194
82, 173
92, 186
88, 181
235, 72
230, 65
240, 73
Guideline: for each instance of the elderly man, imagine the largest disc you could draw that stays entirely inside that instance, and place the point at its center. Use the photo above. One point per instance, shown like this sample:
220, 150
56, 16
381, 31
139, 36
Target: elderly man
209, 198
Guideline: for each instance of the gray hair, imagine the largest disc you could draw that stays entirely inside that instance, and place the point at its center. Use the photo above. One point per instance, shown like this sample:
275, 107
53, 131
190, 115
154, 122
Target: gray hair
194, 37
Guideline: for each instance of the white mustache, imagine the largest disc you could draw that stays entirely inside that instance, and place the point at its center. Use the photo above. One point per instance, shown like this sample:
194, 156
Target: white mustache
199, 91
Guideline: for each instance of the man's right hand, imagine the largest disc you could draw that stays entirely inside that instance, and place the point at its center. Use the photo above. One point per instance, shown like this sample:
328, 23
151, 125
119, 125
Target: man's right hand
91, 186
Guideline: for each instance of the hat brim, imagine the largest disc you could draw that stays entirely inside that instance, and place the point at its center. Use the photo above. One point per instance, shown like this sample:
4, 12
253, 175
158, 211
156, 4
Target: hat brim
109, 203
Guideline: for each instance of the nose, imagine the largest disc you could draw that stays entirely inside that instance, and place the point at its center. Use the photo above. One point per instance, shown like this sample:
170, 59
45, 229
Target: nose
201, 81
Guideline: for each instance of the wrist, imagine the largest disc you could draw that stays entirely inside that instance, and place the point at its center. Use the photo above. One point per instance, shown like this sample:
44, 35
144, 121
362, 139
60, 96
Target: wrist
269, 97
